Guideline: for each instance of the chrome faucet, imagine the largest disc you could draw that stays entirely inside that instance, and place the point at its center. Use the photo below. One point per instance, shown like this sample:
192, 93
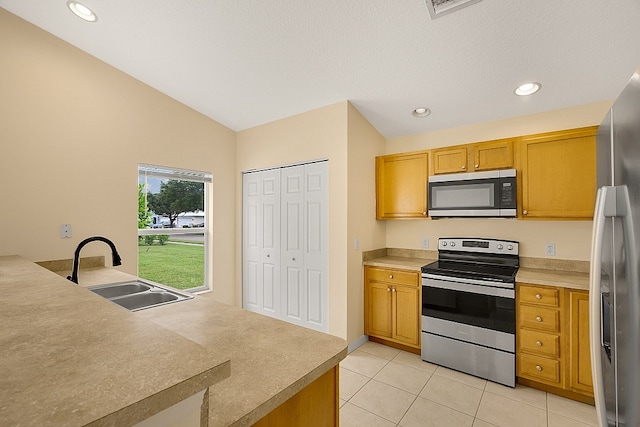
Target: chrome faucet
76, 257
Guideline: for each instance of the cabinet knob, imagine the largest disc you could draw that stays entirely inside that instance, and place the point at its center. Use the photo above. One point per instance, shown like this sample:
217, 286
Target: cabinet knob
538, 296
539, 343
391, 276
477, 166
538, 318
524, 212
424, 212
464, 167
539, 368
388, 289
393, 289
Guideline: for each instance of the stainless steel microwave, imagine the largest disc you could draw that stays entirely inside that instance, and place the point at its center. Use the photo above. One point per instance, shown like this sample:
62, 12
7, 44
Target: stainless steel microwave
474, 194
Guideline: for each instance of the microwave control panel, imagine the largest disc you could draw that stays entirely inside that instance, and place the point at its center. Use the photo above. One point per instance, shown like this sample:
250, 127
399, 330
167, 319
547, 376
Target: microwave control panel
508, 193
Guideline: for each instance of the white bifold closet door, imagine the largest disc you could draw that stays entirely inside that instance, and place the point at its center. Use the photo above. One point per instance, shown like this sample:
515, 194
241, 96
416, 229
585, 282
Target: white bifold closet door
285, 239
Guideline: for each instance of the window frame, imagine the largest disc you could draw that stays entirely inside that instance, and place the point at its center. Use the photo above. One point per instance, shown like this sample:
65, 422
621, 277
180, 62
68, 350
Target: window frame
206, 178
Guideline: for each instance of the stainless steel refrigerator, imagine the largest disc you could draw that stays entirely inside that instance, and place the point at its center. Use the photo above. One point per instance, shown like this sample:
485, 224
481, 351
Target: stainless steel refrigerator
614, 298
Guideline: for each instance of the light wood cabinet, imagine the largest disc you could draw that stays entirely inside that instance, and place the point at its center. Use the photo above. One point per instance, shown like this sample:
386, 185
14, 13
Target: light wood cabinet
558, 174
401, 185
539, 332
580, 372
392, 305
316, 405
476, 157
552, 340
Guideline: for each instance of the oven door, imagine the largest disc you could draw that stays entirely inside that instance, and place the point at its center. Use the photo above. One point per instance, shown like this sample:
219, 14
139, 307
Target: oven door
474, 305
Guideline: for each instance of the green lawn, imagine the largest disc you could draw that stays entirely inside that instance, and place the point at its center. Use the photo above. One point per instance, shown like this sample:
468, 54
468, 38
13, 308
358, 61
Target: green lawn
180, 266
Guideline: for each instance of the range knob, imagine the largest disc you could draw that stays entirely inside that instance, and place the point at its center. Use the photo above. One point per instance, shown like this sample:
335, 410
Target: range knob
510, 247
500, 246
453, 244
444, 243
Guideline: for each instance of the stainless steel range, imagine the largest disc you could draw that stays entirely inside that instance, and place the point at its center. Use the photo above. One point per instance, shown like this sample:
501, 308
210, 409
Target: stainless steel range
468, 308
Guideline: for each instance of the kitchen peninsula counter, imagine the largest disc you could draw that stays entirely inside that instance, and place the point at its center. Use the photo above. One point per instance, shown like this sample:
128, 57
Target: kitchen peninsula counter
270, 360
68, 357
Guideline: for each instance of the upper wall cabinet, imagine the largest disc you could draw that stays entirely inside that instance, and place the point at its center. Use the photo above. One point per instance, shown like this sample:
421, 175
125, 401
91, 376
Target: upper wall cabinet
481, 156
401, 185
558, 174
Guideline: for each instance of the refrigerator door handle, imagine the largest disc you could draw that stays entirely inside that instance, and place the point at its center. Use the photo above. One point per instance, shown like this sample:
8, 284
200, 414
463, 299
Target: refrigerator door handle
595, 302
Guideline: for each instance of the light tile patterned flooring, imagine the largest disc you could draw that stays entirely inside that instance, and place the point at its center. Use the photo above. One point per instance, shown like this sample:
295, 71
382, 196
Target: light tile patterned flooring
381, 386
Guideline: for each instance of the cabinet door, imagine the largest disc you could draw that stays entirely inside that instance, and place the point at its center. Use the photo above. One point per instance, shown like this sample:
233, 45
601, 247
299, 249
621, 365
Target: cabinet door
406, 316
401, 186
559, 175
493, 155
378, 310
450, 160
580, 372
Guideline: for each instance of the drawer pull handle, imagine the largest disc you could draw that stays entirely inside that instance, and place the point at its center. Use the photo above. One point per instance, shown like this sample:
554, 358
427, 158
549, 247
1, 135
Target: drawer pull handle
538, 296
391, 276
538, 319
539, 368
539, 343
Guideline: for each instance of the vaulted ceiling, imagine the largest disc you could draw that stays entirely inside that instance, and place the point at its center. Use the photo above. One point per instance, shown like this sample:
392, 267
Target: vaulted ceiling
248, 62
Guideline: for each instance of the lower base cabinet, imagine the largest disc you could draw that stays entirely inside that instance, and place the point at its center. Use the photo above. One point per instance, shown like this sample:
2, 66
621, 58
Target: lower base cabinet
392, 306
553, 351
316, 405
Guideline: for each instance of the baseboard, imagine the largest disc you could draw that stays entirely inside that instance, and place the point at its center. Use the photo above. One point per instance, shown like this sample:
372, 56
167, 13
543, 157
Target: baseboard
357, 343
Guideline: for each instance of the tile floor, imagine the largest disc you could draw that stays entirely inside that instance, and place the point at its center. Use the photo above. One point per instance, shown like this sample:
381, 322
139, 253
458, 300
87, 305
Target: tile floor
382, 386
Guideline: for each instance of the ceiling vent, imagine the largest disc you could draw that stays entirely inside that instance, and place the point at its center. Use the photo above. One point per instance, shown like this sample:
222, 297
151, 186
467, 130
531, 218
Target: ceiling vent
438, 8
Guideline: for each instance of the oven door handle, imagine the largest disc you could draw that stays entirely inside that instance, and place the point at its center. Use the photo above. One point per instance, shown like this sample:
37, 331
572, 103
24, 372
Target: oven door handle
483, 282
474, 289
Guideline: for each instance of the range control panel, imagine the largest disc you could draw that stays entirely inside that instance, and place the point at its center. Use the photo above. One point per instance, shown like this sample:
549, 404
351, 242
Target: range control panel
478, 245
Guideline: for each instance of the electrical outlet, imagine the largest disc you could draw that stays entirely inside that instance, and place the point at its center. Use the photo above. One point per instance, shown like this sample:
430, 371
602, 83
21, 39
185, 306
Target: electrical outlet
425, 242
550, 249
65, 231
356, 244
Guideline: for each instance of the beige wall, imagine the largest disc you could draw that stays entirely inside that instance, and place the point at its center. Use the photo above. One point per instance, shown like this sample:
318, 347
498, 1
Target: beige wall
72, 132
364, 143
572, 238
318, 134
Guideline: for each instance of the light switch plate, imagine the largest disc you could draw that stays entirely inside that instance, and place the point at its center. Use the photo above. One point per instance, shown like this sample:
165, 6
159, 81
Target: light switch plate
356, 244
65, 231
425, 242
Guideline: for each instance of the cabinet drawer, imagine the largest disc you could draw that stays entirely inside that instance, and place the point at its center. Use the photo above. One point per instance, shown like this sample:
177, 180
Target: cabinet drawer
542, 319
539, 368
539, 343
393, 276
540, 296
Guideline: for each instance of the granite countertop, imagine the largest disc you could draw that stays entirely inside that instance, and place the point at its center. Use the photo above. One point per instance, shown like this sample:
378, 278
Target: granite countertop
69, 357
271, 360
563, 279
405, 263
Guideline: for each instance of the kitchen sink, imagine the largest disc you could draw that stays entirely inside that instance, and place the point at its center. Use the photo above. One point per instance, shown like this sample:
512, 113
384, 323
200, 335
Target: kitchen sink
138, 295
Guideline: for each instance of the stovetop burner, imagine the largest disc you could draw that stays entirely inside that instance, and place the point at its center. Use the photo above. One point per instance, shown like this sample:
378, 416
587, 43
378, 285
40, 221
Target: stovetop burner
478, 259
496, 273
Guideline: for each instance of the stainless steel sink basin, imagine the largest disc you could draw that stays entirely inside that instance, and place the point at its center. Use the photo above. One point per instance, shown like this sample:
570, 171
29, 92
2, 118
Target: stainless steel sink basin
138, 295
112, 291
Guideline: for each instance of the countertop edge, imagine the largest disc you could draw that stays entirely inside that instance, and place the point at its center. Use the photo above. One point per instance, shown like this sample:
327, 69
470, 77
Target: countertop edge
280, 398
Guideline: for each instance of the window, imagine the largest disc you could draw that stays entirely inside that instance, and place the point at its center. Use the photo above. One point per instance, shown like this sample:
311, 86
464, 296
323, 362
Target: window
173, 227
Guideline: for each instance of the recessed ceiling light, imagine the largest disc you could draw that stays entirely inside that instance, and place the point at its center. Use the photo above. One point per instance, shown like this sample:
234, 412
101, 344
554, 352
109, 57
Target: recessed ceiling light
528, 88
421, 112
81, 11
